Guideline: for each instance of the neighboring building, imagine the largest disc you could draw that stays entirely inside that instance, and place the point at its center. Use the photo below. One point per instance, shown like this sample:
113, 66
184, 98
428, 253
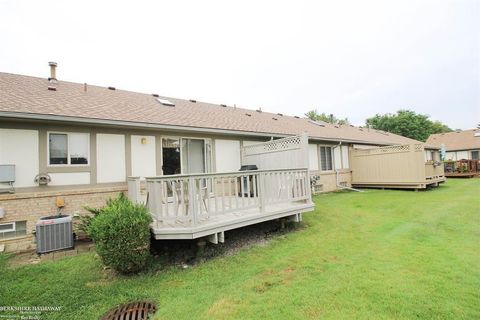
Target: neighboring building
458, 144
75, 145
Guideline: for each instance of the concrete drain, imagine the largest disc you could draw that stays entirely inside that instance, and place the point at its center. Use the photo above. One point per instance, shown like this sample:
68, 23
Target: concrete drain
138, 310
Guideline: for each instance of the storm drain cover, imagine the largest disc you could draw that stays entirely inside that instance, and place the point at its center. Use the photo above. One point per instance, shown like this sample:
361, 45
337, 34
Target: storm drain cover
138, 310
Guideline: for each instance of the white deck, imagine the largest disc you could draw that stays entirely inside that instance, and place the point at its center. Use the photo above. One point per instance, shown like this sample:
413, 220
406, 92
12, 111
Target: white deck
189, 206
236, 218
199, 205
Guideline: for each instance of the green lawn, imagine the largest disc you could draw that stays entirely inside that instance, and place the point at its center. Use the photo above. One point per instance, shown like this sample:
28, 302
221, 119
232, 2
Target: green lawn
372, 255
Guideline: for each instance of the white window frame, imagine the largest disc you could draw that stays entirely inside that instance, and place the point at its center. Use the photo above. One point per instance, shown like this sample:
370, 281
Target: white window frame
14, 224
320, 157
68, 149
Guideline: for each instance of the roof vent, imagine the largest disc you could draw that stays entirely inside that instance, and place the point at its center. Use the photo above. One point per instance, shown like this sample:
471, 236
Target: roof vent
52, 88
275, 118
192, 100
223, 105
248, 114
297, 117
259, 110
280, 114
155, 95
166, 102
111, 88
476, 134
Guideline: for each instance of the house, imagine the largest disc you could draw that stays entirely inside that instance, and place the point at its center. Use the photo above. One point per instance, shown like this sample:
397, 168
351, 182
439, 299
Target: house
67, 145
459, 145
462, 152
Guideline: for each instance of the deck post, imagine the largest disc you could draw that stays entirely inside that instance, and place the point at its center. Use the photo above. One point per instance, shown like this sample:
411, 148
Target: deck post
261, 191
191, 200
134, 187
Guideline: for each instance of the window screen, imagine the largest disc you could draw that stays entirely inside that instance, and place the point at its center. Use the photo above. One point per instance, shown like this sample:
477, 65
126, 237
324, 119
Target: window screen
78, 144
326, 158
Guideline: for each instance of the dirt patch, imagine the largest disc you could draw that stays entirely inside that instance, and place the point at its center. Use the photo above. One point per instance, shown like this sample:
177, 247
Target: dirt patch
184, 253
32, 257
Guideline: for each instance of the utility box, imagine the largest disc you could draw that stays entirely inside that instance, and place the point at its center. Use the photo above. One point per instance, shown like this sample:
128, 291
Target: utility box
54, 233
7, 175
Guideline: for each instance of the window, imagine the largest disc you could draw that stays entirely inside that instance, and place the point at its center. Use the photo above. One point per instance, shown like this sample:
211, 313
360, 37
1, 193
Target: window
475, 155
13, 229
6, 227
326, 158
68, 148
58, 148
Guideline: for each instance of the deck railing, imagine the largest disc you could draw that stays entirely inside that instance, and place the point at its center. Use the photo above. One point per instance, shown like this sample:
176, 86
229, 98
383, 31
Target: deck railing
194, 198
433, 170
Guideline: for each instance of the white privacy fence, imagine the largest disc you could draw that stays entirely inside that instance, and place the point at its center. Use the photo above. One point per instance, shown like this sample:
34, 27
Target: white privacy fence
290, 152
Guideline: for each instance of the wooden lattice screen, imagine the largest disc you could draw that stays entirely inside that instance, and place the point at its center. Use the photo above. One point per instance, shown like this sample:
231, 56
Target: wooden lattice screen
389, 149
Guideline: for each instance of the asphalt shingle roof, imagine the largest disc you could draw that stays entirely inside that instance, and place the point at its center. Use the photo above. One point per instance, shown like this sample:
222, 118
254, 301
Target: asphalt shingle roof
457, 140
29, 95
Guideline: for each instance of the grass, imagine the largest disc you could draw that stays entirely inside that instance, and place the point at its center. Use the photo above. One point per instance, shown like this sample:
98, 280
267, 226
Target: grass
373, 255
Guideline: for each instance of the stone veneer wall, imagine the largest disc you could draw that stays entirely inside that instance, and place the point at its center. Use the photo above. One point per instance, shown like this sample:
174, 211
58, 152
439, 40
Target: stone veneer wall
31, 206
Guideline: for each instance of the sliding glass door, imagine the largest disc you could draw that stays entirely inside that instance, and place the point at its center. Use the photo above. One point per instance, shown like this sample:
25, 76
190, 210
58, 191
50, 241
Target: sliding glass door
193, 156
186, 155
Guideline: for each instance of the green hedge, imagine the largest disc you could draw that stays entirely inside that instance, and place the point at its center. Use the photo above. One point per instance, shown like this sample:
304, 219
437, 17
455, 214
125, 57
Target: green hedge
121, 233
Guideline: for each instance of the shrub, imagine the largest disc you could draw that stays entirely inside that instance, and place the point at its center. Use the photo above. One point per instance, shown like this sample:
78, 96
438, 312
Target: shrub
121, 233
85, 220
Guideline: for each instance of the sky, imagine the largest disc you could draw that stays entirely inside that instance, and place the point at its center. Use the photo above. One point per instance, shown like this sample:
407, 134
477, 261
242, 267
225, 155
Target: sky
350, 58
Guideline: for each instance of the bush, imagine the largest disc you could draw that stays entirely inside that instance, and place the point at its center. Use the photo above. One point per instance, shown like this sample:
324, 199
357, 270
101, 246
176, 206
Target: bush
121, 233
85, 220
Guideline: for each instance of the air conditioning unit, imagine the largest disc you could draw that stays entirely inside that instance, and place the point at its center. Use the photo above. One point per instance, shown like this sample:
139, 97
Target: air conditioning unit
54, 233
317, 188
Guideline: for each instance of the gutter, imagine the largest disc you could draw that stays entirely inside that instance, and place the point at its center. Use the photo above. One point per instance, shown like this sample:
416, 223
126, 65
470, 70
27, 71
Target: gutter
337, 172
144, 125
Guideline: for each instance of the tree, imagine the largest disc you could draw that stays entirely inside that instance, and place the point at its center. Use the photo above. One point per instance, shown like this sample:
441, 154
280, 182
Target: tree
314, 115
408, 124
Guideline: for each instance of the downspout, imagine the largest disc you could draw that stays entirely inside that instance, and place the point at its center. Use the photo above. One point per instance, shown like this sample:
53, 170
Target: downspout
337, 173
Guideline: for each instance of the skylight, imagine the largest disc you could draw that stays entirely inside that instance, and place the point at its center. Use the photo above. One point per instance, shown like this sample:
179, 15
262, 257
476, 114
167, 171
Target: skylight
166, 102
